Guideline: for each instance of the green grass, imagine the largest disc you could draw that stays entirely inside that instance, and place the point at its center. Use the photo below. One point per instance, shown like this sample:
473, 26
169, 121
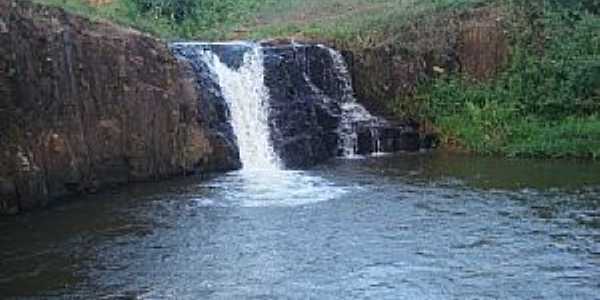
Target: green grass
525, 137
542, 105
354, 22
220, 19
120, 12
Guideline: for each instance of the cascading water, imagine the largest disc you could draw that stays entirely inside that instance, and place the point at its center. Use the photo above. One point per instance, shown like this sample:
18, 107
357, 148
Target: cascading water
247, 98
353, 114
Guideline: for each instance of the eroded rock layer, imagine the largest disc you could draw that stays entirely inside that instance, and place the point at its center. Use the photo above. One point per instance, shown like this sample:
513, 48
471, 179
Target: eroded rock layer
85, 105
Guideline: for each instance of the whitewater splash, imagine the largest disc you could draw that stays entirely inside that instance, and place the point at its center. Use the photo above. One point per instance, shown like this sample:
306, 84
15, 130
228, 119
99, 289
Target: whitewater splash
262, 189
248, 100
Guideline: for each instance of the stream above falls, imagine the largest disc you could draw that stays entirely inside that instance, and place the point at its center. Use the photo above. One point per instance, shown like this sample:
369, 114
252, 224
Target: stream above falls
406, 226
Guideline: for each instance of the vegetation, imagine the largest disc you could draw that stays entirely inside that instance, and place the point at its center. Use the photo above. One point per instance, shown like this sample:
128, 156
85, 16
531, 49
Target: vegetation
350, 21
544, 104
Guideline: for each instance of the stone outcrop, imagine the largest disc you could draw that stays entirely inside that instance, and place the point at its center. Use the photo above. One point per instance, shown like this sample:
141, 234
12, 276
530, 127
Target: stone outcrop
304, 118
473, 43
307, 93
213, 113
85, 105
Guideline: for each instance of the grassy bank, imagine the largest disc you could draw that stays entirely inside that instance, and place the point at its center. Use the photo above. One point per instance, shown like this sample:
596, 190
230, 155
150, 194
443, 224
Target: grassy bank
355, 22
545, 104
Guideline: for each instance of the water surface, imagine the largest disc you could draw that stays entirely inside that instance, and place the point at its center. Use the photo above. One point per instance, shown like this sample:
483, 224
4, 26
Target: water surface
425, 226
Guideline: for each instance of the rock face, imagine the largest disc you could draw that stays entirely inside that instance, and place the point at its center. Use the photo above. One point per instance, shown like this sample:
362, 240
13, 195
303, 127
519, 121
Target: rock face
473, 43
304, 117
213, 111
87, 105
310, 96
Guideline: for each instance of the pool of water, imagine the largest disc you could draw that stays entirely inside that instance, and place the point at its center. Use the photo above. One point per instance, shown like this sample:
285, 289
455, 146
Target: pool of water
424, 226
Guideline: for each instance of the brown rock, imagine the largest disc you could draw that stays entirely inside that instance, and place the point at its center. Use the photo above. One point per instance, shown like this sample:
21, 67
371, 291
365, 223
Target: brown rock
85, 105
473, 43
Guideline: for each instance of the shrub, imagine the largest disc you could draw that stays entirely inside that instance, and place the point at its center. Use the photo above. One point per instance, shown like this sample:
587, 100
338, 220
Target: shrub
177, 10
545, 104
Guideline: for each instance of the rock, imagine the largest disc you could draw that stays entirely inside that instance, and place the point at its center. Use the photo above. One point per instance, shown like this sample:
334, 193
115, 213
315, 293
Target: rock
388, 139
7, 187
214, 112
304, 118
474, 43
3, 27
231, 55
87, 105
308, 90
8, 197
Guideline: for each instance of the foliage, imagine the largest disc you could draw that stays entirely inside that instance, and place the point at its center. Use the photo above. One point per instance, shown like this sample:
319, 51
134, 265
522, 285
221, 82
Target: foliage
360, 22
170, 19
592, 6
544, 104
177, 10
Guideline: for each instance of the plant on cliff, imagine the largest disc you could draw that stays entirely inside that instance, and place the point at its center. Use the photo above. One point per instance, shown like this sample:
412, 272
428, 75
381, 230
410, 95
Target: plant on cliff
546, 103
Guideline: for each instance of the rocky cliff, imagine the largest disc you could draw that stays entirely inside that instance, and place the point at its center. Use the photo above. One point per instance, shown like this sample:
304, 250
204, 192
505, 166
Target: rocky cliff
85, 105
473, 42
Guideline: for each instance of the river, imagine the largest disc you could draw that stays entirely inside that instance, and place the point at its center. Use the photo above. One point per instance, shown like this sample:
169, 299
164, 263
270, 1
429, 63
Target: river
407, 226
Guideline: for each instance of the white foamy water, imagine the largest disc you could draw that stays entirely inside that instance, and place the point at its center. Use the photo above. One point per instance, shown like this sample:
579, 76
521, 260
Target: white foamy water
352, 111
248, 100
283, 188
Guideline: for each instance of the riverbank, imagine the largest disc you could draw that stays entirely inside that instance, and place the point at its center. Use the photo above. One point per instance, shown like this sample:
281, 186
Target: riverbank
490, 77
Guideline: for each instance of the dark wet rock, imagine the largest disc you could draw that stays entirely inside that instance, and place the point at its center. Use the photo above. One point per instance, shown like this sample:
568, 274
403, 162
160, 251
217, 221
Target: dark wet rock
307, 92
388, 139
304, 117
231, 54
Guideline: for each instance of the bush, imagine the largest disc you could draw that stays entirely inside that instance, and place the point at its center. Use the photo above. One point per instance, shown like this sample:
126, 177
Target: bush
177, 10
545, 104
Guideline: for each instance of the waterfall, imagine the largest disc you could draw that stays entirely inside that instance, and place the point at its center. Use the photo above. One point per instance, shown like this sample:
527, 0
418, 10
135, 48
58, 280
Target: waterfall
247, 98
245, 92
353, 113
282, 105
